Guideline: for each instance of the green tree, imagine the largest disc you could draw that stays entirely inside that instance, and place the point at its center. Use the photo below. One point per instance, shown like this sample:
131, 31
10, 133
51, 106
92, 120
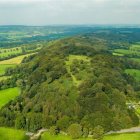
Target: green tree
75, 131
98, 132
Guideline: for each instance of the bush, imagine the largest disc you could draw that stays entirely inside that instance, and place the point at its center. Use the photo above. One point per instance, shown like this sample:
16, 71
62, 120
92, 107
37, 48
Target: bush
98, 133
75, 131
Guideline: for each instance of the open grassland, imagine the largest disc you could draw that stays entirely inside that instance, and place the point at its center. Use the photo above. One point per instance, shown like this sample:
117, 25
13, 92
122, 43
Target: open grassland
127, 52
136, 59
80, 63
9, 52
134, 72
12, 134
3, 67
134, 49
16, 60
127, 136
48, 136
7, 95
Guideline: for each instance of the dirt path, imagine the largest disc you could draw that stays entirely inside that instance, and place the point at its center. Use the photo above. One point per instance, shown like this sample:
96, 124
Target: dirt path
35, 136
130, 130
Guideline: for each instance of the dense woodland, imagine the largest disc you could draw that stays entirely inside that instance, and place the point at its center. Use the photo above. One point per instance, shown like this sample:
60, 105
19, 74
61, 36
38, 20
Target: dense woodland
87, 93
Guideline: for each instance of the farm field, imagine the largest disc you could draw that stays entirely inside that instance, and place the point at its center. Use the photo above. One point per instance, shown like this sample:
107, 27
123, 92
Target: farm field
134, 72
16, 60
3, 67
9, 52
12, 134
133, 50
7, 95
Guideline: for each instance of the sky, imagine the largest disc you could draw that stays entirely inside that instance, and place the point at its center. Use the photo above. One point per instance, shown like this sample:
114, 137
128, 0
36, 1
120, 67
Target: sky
53, 12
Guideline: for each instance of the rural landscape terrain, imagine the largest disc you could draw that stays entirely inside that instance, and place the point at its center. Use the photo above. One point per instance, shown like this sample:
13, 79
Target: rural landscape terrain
69, 82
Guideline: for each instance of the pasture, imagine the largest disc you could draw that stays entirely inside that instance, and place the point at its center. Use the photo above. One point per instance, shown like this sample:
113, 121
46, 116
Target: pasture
16, 60
8, 95
48, 136
124, 136
12, 134
133, 50
10, 51
134, 72
3, 67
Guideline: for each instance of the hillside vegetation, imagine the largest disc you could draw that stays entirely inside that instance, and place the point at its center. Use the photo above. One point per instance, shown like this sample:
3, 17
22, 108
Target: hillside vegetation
74, 86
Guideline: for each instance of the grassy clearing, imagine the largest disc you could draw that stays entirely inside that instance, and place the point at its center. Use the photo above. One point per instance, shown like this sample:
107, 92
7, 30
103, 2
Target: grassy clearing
8, 52
125, 136
134, 49
134, 72
48, 136
3, 67
7, 95
12, 134
136, 59
4, 77
118, 54
80, 74
129, 136
16, 60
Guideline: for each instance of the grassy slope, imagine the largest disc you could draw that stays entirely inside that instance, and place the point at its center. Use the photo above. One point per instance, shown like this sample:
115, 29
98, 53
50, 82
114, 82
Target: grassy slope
133, 49
71, 58
134, 72
47, 136
12, 134
3, 67
7, 95
4, 77
11, 51
15, 60
130, 136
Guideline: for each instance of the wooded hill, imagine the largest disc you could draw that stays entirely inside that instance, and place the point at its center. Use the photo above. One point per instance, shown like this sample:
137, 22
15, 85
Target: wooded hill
74, 80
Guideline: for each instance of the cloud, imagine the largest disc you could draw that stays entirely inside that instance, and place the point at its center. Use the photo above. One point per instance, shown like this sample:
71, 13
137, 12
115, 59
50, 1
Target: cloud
42, 12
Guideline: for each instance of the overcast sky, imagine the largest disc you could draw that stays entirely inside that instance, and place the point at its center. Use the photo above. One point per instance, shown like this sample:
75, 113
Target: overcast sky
47, 12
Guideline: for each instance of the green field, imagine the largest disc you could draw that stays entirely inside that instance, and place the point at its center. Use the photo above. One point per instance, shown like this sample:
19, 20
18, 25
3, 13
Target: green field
134, 49
80, 73
4, 77
7, 95
12, 134
125, 136
16, 60
8, 52
3, 67
47, 136
129, 136
134, 72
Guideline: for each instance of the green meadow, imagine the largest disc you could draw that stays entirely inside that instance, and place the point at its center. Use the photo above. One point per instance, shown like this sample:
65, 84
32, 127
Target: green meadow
48, 136
4, 77
8, 94
16, 60
124, 136
134, 72
134, 49
3, 67
12, 134
8, 52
